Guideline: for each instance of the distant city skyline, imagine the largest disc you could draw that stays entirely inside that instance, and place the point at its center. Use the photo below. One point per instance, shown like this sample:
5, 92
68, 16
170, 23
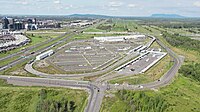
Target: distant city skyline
189, 8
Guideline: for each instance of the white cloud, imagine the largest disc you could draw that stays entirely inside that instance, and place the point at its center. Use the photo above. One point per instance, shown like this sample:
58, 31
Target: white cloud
23, 2
57, 1
131, 5
115, 4
113, 9
68, 6
197, 3
41, 0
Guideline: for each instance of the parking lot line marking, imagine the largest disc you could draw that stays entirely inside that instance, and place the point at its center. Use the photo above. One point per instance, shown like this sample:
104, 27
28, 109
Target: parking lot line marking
109, 51
87, 60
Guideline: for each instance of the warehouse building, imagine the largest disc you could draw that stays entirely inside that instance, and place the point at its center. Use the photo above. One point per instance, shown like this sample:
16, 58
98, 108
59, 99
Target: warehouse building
118, 38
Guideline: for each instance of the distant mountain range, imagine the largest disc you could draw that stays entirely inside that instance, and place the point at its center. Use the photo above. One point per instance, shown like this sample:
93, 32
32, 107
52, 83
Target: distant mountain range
94, 16
166, 16
105, 16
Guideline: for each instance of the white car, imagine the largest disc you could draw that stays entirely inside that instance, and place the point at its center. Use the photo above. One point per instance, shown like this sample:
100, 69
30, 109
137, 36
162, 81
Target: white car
116, 84
140, 86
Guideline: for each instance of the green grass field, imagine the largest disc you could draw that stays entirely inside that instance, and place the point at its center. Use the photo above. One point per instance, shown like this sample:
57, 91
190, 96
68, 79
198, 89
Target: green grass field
93, 30
127, 25
118, 26
26, 99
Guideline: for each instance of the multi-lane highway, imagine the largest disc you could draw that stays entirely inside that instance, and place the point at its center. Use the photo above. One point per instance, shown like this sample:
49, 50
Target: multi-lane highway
96, 89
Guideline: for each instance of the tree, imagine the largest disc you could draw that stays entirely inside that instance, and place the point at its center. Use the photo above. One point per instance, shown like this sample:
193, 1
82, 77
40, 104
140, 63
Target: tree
72, 106
52, 108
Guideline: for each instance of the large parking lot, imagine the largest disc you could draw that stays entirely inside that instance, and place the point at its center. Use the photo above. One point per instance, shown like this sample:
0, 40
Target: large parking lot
91, 55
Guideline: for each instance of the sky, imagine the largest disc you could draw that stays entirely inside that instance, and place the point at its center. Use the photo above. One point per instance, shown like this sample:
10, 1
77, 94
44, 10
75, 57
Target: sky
189, 8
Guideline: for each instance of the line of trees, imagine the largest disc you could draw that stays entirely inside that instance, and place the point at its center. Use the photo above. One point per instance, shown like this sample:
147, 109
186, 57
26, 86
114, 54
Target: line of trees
105, 27
47, 105
141, 102
182, 41
191, 71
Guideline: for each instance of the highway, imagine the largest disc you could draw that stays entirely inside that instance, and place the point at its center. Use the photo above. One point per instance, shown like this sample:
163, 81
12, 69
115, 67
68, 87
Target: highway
96, 89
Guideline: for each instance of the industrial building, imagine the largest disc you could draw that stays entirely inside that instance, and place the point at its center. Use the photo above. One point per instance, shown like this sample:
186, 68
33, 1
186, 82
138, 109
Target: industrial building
44, 55
79, 23
118, 38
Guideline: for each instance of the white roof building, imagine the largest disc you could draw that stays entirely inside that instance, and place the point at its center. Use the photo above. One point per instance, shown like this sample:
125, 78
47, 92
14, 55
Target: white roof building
44, 55
118, 38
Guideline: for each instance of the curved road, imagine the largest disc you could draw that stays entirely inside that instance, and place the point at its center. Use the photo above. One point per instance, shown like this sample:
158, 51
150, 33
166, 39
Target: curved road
164, 80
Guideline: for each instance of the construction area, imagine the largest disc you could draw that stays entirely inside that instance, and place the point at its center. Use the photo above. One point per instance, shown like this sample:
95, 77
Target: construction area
93, 55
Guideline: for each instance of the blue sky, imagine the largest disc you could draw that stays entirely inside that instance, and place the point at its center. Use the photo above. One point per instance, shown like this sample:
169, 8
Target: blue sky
104, 7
